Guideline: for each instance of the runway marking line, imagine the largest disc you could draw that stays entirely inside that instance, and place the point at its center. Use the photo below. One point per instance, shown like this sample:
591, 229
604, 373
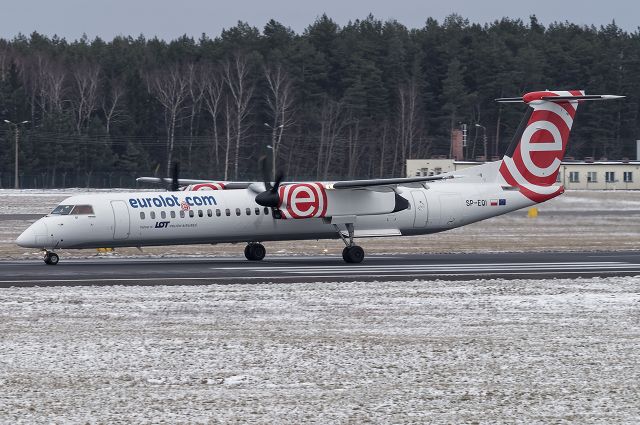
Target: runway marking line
421, 265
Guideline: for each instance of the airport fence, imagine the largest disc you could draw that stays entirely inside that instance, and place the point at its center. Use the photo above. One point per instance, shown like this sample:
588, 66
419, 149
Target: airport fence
101, 180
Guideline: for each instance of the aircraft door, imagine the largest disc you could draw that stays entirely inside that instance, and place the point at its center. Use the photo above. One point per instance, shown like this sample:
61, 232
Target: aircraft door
420, 207
121, 223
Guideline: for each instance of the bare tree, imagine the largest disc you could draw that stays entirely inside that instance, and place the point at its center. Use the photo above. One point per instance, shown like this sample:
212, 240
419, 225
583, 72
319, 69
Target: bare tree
170, 90
331, 125
86, 88
383, 145
407, 122
228, 136
236, 74
213, 89
352, 146
279, 101
110, 103
44, 81
195, 90
5, 63
54, 87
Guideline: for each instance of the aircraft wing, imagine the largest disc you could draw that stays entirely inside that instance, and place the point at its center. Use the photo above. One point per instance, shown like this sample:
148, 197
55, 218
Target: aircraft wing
352, 184
187, 182
344, 184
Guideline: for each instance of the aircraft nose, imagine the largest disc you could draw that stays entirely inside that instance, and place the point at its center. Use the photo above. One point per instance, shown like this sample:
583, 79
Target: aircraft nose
34, 234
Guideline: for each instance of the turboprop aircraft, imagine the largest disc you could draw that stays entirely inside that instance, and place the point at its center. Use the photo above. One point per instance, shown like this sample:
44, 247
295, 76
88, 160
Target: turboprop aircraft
211, 212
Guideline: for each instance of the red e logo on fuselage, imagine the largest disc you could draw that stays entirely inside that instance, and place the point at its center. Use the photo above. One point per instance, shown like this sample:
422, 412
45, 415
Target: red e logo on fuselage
303, 200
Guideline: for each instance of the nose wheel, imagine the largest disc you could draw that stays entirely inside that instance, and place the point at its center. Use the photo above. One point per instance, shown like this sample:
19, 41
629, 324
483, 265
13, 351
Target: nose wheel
51, 258
255, 252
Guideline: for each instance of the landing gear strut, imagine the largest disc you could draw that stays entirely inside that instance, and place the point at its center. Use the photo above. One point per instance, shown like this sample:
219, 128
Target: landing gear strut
351, 253
51, 258
255, 251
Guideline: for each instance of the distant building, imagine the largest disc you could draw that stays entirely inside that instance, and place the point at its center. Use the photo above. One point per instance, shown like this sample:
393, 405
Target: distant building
435, 166
586, 175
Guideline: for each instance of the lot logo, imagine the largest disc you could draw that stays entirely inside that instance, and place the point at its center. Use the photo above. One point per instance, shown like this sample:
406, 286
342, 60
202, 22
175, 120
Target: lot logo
303, 200
162, 224
534, 164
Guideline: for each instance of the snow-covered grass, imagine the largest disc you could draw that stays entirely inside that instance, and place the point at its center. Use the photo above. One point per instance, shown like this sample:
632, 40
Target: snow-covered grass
485, 351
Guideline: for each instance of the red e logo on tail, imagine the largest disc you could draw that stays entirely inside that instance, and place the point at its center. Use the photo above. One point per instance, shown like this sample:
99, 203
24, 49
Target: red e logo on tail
534, 164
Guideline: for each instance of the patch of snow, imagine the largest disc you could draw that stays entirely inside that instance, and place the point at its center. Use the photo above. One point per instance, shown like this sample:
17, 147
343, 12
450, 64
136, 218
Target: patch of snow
490, 351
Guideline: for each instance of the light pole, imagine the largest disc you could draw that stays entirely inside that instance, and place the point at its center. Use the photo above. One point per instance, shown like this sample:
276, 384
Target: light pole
484, 140
273, 147
15, 164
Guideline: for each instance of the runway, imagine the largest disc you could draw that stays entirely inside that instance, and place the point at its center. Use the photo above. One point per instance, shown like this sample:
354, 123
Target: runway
281, 269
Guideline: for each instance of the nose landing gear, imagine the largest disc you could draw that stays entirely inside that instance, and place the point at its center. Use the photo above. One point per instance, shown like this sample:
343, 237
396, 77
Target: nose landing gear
51, 258
255, 252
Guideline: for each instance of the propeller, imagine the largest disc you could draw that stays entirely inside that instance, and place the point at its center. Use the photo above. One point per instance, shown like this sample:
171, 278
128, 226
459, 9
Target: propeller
175, 185
270, 197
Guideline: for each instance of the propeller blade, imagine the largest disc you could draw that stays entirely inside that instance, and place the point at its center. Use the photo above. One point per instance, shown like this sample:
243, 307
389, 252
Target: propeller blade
264, 168
175, 185
270, 197
276, 184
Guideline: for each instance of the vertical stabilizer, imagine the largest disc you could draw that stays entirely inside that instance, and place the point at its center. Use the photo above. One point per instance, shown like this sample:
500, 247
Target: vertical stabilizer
532, 161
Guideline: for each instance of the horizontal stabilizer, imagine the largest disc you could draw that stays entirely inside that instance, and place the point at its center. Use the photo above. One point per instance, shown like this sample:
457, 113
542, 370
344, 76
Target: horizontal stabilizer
543, 96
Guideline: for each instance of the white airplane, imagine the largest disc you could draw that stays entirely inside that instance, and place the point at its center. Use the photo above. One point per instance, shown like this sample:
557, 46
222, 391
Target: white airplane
217, 212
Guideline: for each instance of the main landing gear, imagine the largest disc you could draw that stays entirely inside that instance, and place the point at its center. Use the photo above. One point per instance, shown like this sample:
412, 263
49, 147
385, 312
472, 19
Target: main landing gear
255, 251
351, 253
51, 258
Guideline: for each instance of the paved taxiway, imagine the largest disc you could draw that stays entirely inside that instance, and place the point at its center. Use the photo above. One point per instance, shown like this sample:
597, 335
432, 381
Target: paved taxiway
279, 269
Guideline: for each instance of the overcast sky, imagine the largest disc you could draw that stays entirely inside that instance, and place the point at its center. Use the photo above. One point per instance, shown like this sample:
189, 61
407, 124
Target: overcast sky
169, 19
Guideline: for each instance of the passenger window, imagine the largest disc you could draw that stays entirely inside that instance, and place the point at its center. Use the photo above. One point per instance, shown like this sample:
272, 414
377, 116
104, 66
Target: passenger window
257, 211
191, 213
163, 214
238, 212
227, 212
266, 211
82, 210
62, 209
200, 213
142, 215
181, 213
209, 213
218, 213
173, 214
152, 214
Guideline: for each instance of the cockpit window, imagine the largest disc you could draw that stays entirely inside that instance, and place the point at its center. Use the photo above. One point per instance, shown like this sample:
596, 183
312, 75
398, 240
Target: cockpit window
82, 210
62, 209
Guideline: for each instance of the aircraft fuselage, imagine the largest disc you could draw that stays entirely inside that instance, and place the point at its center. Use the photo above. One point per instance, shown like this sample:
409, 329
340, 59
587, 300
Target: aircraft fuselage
208, 217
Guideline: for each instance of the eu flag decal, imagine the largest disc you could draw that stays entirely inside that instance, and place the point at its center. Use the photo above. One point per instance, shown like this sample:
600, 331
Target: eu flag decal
502, 202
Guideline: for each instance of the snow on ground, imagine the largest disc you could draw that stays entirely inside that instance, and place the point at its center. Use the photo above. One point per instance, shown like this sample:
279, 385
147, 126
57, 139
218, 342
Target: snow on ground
485, 351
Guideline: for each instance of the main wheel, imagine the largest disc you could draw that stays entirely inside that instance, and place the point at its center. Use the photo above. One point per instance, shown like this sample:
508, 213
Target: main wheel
345, 254
353, 254
255, 252
51, 258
